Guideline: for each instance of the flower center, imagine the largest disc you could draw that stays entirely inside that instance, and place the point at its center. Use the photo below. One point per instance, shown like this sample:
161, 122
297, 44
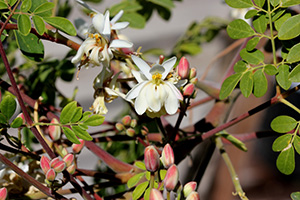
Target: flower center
156, 78
99, 39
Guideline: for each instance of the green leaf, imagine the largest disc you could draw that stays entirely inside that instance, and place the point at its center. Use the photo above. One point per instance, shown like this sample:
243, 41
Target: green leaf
94, 120
68, 112
70, 135
282, 77
282, 142
39, 24
139, 190
147, 194
281, 20
12, 2
77, 115
288, 3
164, 3
8, 106
85, 115
47, 6
239, 3
283, 124
290, 28
229, 84
238, 29
246, 83
260, 83
296, 143
295, 74
253, 57
30, 46
126, 6
275, 15
162, 174
250, 14
3, 5
295, 195
293, 55
83, 134
136, 20
83, 126
3, 119
190, 48
260, 23
274, 2
259, 3
286, 160
270, 69
24, 24
26, 5
251, 44
240, 66
17, 122
140, 165
62, 24
135, 179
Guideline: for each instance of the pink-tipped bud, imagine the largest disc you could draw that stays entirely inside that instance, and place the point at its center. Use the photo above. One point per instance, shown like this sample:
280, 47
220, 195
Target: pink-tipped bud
78, 147
133, 123
120, 126
183, 68
189, 188
194, 80
151, 157
3, 193
188, 89
126, 120
167, 156
69, 158
155, 194
45, 164
193, 196
193, 73
22, 116
60, 166
144, 130
130, 132
54, 131
71, 169
50, 175
171, 178
54, 161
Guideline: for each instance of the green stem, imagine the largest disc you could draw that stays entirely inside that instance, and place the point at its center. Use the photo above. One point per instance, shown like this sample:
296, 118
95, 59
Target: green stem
168, 195
284, 101
151, 181
233, 174
271, 35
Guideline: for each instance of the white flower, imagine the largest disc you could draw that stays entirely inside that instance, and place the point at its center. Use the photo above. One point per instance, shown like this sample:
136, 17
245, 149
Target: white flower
154, 93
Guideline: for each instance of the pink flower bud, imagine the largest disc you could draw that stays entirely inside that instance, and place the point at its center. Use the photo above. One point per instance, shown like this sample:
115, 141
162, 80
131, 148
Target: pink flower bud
120, 126
71, 169
193, 196
193, 73
78, 147
54, 161
69, 158
126, 120
171, 178
183, 68
189, 188
130, 132
3, 193
54, 131
155, 194
59, 166
50, 175
45, 164
22, 116
151, 159
188, 89
194, 80
133, 123
167, 156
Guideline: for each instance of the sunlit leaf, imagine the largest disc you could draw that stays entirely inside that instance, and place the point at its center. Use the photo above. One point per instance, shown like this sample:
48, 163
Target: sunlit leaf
62, 24
295, 195
250, 14
136, 20
251, 44
70, 135
295, 74
259, 3
282, 142
47, 6
139, 190
290, 28
288, 3
39, 24
294, 55
26, 5
81, 133
68, 112
270, 69
16, 123
77, 115
94, 120
240, 66
135, 179
260, 23
296, 144
281, 20
283, 124
238, 29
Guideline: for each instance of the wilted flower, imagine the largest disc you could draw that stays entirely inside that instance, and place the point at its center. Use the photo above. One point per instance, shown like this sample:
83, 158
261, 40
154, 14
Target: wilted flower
3, 193
54, 131
154, 93
189, 188
171, 178
151, 157
155, 195
167, 156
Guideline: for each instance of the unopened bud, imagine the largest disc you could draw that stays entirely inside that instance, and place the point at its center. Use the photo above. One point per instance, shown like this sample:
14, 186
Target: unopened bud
144, 130
193, 73
78, 147
151, 157
69, 158
71, 169
167, 156
193, 196
45, 164
133, 123
189, 188
161, 59
171, 178
130, 132
54, 161
194, 80
126, 120
188, 89
155, 194
64, 151
60, 166
22, 116
120, 126
183, 68
50, 175
3, 193
54, 131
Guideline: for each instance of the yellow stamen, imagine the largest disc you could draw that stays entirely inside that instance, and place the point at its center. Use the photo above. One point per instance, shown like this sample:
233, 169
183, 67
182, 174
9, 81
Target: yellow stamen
156, 76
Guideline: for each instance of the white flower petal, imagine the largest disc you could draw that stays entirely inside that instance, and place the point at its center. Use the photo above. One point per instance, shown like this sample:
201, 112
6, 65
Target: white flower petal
120, 44
106, 56
139, 76
117, 17
168, 65
135, 91
98, 22
79, 54
140, 103
171, 103
143, 66
153, 97
176, 92
120, 25
94, 56
106, 28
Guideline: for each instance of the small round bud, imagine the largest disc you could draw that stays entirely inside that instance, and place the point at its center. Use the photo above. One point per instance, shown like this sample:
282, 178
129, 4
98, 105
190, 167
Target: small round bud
188, 90
120, 126
189, 188
130, 132
54, 131
193, 73
69, 158
133, 123
78, 147
126, 120
194, 80
45, 164
193, 196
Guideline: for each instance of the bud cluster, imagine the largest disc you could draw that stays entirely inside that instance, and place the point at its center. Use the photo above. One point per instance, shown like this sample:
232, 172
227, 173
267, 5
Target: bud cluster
127, 125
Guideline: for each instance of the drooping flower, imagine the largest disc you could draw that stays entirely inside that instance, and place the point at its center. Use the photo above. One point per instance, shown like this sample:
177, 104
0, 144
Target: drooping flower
154, 93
